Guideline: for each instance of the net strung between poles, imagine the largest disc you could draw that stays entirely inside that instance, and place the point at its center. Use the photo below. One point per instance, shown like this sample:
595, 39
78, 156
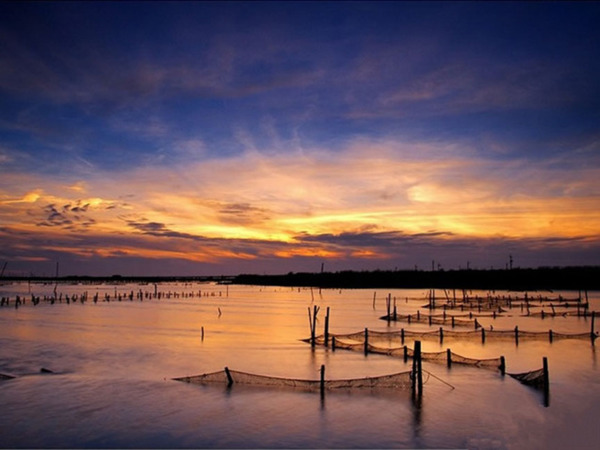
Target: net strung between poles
401, 380
405, 352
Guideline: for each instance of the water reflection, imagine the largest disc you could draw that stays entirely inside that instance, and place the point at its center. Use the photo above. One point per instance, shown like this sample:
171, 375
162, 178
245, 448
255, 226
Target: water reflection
112, 362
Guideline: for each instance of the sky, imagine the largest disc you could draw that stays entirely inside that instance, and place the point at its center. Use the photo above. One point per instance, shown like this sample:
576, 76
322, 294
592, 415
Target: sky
201, 138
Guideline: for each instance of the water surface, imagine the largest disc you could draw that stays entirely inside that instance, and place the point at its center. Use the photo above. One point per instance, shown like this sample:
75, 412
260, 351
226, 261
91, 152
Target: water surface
113, 364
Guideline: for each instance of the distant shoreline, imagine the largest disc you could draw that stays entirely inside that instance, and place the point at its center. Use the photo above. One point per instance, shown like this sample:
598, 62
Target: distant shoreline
543, 278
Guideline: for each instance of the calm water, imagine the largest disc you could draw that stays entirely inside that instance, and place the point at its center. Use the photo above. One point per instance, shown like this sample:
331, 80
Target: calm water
113, 363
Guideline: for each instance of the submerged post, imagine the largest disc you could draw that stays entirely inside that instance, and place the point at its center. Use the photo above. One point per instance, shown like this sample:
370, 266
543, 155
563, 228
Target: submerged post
405, 353
366, 341
441, 335
502, 365
482, 335
592, 331
449, 357
516, 334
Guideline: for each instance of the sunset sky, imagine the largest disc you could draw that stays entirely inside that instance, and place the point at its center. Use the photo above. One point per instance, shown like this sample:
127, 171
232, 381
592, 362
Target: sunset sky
222, 138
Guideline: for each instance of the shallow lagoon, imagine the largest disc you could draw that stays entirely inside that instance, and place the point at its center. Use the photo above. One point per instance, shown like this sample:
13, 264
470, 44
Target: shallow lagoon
113, 365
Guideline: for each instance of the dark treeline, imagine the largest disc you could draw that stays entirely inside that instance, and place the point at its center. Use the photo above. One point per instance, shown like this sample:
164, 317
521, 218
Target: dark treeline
121, 279
544, 278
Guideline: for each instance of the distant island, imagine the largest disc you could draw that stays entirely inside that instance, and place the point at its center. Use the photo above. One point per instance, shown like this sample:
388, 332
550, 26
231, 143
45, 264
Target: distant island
517, 279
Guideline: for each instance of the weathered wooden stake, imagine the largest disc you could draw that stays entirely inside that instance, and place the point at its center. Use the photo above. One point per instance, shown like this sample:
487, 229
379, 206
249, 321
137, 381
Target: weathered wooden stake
516, 334
322, 380
502, 365
229, 377
402, 334
202, 329
326, 332
546, 382
550, 335
482, 335
449, 357
388, 304
592, 331
419, 367
405, 353
441, 335
366, 341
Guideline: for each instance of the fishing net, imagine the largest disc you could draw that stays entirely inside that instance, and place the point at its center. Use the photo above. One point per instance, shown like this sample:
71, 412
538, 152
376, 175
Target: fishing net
391, 338
534, 378
443, 357
402, 380
466, 320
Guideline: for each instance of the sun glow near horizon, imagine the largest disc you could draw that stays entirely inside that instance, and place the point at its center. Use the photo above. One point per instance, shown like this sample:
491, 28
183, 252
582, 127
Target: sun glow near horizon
246, 220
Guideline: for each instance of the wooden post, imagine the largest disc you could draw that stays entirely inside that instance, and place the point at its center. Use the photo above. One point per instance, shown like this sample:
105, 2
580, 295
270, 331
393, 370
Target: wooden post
482, 335
502, 365
550, 335
449, 357
333, 343
402, 334
314, 325
322, 380
419, 367
516, 334
592, 331
405, 353
366, 341
388, 304
452, 321
326, 331
229, 377
546, 382
202, 330
441, 335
